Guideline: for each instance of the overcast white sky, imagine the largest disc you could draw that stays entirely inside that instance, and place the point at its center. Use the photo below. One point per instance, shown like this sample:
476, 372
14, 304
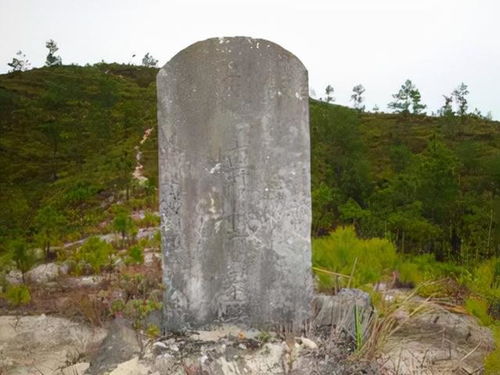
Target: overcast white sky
378, 43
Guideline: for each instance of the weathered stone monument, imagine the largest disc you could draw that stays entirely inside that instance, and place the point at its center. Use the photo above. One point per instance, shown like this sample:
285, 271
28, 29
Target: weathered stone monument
235, 185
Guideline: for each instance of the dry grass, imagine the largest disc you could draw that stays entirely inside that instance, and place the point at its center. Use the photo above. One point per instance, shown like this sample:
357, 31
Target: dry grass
387, 321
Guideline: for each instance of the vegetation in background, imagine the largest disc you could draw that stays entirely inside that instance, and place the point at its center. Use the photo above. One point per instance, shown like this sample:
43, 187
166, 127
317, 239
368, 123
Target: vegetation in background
492, 361
22, 256
17, 295
67, 148
135, 255
124, 225
428, 184
94, 255
398, 197
357, 98
361, 261
408, 96
19, 63
52, 59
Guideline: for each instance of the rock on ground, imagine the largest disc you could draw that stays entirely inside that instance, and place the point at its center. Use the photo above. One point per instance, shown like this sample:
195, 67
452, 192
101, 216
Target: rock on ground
119, 346
338, 312
437, 342
47, 272
44, 344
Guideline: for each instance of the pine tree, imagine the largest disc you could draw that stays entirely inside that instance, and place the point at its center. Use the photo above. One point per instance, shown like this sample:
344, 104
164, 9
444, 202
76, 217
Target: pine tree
408, 96
446, 109
459, 95
357, 97
329, 92
149, 61
52, 59
19, 63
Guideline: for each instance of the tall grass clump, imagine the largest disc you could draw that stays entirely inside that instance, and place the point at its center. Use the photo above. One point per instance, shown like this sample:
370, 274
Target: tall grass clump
486, 282
342, 259
431, 277
492, 360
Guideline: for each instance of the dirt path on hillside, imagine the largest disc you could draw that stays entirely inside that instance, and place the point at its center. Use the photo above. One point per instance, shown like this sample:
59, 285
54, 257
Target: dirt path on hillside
138, 173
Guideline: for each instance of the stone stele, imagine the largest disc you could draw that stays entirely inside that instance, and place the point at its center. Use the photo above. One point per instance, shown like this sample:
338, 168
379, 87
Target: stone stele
235, 194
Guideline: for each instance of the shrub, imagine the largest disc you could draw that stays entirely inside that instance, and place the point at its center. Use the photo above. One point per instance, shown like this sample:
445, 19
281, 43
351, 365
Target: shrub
492, 361
91, 306
138, 310
429, 276
22, 256
135, 255
17, 295
124, 225
150, 220
344, 253
485, 281
479, 308
138, 285
96, 253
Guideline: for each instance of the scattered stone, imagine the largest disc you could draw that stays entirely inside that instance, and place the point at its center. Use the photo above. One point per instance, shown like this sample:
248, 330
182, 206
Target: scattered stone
120, 345
138, 215
150, 258
131, 367
44, 344
309, 344
47, 272
146, 233
76, 369
159, 347
14, 277
338, 311
438, 342
84, 281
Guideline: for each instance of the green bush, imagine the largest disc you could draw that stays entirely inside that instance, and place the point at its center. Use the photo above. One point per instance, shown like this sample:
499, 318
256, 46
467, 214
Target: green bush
150, 220
485, 281
17, 295
135, 255
22, 256
431, 277
96, 253
492, 361
479, 308
124, 225
343, 252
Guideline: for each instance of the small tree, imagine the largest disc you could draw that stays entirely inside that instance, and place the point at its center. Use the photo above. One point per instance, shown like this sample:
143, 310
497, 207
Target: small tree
417, 106
124, 225
459, 95
149, 61
408, 96
52, 59
357, 97
96, 253
19, 63
329, 92
447, 110
22, 256
49, 224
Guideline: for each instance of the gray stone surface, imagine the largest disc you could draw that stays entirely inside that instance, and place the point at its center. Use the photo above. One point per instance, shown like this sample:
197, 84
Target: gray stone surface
120, 345
235, 185
337, 313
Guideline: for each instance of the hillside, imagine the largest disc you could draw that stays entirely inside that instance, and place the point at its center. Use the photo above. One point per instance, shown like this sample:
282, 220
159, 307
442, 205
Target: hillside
68, 138
404, 207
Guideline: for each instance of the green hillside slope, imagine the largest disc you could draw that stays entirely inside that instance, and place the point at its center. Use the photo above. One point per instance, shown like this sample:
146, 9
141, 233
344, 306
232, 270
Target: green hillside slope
68, 138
